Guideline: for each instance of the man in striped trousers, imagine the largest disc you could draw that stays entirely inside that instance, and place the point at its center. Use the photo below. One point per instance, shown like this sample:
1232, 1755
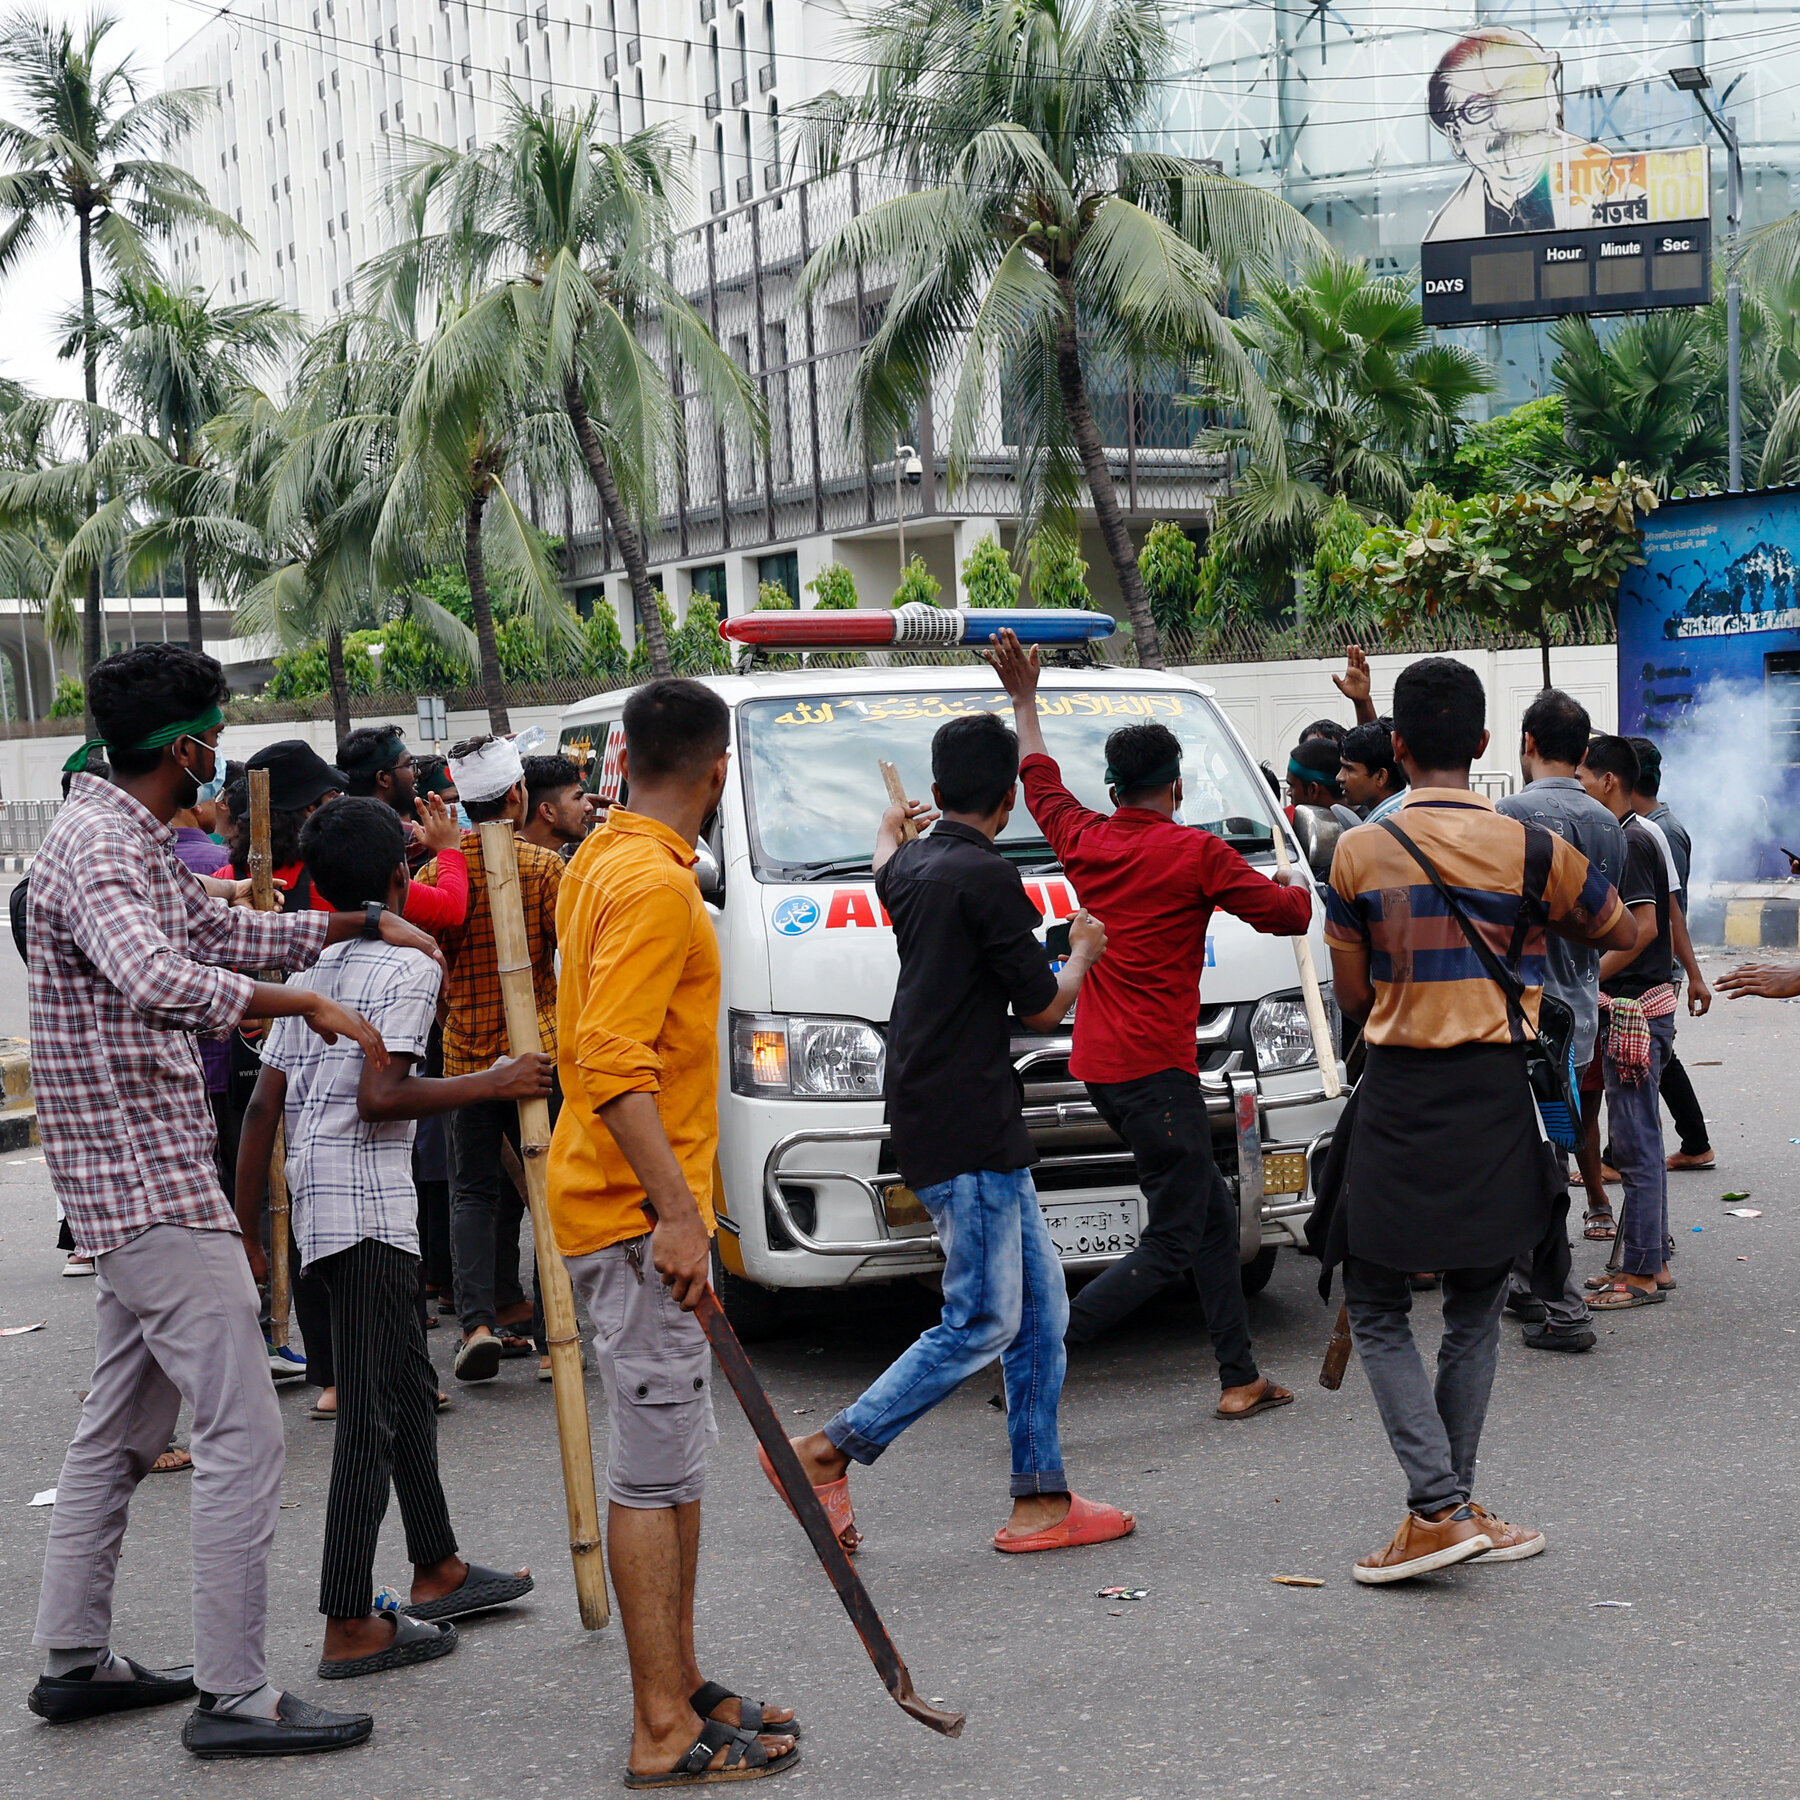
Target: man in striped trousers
350, 1121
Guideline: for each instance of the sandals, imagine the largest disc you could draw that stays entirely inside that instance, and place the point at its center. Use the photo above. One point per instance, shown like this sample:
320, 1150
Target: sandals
1598, 1284
1271, 1397
413, 1643
1085, 1523
708, 1699
514, 1345
1599, 1224
478, 1358
481, 1591
834, 1496
173, 1461
745, 1760
1622, 1297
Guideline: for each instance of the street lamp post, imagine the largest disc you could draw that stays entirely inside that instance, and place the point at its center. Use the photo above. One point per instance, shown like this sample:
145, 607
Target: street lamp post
908, 468
1696, 81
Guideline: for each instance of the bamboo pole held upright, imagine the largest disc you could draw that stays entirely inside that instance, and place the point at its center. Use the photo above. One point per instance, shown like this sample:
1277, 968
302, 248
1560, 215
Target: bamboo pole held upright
896, 793
1316, 1021
265, 899
500, 866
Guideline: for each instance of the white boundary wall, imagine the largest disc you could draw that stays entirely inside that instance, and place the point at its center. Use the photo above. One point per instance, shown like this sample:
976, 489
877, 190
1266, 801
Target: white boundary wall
1270, 703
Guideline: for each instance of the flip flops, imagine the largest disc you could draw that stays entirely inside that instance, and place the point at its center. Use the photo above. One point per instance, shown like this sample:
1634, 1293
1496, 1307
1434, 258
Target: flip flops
834, 1496
1084, 1523
1622, 1297
413, 1643
481, 1591
1271, 1397
1599, 1224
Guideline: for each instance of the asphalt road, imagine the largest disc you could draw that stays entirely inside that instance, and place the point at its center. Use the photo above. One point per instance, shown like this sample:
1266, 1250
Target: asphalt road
1661, 1466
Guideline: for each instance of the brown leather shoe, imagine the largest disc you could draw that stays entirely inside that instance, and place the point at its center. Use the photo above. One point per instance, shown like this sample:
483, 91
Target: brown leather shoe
1512, 1543
1702, 1159
1420, 1546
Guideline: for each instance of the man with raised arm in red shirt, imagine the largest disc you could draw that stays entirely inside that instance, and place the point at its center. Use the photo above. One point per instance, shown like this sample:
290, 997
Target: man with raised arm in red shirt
1153, 883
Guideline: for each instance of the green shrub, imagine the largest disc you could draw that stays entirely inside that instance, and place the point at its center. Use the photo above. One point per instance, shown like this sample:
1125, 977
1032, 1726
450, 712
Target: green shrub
1170, 566
603, 658
918, 586
1058, 572
71, 700
697, 648
771, 596
639, 667
835, 587
988, 576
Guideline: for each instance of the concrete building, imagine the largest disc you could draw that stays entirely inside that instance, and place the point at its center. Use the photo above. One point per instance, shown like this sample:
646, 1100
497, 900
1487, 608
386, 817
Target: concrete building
317, 100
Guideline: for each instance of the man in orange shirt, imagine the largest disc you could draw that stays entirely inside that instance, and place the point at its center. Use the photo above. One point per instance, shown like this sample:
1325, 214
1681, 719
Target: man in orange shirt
631, 1169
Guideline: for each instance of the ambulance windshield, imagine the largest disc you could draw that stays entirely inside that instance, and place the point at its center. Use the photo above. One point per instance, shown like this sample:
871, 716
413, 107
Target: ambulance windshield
815, 795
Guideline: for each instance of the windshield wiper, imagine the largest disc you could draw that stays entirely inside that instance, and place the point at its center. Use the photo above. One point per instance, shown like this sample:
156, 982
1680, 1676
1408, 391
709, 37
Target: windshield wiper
825, 871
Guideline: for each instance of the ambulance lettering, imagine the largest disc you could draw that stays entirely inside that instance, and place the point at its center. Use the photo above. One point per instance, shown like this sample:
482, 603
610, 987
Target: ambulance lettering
1055, 900
855, 908
611, 762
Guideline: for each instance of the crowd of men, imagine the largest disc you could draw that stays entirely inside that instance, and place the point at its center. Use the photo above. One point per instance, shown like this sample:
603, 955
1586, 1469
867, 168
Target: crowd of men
1465, 936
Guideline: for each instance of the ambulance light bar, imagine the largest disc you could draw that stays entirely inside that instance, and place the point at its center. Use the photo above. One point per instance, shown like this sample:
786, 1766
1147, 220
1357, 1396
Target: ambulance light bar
913, 627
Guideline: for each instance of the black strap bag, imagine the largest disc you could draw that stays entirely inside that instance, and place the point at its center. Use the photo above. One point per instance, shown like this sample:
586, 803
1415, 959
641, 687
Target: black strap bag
1549, 1054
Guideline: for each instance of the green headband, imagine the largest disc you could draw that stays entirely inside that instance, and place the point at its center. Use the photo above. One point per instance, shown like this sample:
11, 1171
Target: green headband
157, 740
1299, 771
1169, 772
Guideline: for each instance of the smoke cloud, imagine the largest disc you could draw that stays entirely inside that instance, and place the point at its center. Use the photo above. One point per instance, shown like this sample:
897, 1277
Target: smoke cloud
1720, 777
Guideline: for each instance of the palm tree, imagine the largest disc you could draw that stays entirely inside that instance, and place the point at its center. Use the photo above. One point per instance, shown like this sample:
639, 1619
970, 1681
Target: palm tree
87, 148
459, 440
550, 249
1650, 398
1038, 243
1361, 391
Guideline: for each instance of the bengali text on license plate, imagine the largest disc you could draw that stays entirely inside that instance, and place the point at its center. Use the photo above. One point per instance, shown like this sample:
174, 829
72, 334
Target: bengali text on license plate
1096, 1228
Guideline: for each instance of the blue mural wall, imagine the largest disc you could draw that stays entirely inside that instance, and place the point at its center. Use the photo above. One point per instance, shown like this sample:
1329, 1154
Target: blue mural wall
1709, 667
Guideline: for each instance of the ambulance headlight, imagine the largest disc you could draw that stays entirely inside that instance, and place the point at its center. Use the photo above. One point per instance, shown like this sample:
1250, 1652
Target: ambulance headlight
787, 1056
1279, 1031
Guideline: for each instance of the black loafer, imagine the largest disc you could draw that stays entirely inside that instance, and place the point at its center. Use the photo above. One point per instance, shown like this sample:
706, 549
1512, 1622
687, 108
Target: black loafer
1527, 1307
1549, 1337
62, 1699
297, 1730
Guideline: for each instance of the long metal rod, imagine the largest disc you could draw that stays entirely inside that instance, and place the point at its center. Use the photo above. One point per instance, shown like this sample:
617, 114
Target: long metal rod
811, 1514
265, 899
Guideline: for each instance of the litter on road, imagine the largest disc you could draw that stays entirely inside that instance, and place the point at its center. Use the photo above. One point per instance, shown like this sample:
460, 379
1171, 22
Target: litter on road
1625, 1604
43, 1497
1297, 1580
1123, 1593
1744, 1212
20, 1330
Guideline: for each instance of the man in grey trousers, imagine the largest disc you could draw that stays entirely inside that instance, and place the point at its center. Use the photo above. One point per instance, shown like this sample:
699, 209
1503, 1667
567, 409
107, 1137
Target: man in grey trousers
1543, 1289
131, 957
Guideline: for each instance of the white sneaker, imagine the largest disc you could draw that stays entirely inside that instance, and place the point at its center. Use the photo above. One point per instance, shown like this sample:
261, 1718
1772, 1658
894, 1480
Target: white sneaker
78, 1265
286, 1365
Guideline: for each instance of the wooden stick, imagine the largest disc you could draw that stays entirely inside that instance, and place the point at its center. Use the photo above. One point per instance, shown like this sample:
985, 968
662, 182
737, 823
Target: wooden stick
500, 864
265, 899
1337, 1352
896, 792
1316, 1022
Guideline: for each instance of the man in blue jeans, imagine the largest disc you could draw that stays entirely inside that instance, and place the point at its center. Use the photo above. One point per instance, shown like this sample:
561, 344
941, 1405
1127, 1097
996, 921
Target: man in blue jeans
969, 957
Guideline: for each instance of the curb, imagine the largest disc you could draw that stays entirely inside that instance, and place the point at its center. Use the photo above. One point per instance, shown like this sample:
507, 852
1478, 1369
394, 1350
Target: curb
1747, 924
18, 1105
15, 865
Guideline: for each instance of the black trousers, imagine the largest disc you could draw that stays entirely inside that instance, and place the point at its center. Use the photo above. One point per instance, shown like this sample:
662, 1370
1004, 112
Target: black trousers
386, 1425
1684, 1107
1191, 1225
485, 1214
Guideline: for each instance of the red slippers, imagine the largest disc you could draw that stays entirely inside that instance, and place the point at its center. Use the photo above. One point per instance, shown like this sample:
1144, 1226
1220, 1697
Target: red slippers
834, 1496
1084, 1523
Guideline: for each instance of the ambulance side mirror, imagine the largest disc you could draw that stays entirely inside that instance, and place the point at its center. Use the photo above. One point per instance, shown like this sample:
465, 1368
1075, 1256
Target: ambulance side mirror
709, 872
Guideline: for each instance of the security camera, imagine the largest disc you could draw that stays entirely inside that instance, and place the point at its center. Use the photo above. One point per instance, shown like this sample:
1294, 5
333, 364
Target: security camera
910, 466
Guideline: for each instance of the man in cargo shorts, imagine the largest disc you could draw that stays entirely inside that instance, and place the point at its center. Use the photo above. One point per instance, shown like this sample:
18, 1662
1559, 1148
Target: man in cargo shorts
631, 1202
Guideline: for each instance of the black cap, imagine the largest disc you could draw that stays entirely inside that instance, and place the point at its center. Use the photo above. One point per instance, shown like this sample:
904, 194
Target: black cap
298, 774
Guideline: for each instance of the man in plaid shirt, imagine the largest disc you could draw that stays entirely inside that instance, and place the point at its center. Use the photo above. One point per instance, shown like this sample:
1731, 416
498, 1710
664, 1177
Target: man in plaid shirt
132, 959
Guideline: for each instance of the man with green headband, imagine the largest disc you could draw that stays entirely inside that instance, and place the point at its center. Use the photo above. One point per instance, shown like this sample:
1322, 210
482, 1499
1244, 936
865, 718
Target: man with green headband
131, 961
1153, 883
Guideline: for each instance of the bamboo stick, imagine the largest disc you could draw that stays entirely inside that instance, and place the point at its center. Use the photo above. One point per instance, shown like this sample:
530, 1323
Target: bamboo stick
896, 793
265, 899
1316, 1022
500, 866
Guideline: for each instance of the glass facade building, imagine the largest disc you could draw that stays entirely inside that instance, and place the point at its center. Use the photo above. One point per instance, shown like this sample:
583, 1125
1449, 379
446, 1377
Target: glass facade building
1330, 104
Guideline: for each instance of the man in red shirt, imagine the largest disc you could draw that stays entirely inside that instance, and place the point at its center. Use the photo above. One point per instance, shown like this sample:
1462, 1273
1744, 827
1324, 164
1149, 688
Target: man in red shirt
1153, 883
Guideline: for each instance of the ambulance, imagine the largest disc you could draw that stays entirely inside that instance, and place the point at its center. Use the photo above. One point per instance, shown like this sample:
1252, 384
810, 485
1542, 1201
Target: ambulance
807, 1187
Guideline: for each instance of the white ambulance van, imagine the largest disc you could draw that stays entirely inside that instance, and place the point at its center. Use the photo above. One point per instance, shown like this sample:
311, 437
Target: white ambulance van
806, 1177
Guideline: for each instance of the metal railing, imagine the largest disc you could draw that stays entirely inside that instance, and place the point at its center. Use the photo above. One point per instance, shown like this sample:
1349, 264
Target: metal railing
23, 824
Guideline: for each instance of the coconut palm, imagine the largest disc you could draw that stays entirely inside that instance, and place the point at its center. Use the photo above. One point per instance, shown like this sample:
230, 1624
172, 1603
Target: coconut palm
1361, 391
1039, 244
86, 148
550, 255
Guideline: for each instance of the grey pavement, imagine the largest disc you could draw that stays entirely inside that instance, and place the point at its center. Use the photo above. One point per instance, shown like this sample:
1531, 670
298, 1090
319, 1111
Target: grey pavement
1661, 1466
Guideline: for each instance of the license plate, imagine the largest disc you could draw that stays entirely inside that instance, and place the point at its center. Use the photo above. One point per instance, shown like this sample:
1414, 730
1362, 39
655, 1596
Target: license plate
1092, 1227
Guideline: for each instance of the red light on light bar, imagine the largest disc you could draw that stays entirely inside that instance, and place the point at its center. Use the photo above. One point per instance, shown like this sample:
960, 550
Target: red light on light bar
913, 627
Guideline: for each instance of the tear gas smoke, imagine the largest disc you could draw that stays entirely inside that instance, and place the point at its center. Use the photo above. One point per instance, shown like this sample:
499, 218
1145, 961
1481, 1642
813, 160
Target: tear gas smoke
1721, 780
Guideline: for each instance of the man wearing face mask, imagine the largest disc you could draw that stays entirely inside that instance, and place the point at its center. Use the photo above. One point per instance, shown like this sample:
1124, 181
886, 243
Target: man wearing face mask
1154, 883
131, 960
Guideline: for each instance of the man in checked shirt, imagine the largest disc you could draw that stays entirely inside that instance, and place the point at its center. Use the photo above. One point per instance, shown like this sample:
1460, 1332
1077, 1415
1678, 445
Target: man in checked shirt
131, 960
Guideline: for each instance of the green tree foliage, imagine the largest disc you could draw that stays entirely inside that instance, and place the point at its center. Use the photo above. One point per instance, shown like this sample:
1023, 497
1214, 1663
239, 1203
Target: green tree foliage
1526, 447
918, 586
71, 699
1058, 571
640, 667
1170, 565
604, 655
1516, 560
697, 648
1031, 207
771, 596
988, 575
835, 587
1360, 389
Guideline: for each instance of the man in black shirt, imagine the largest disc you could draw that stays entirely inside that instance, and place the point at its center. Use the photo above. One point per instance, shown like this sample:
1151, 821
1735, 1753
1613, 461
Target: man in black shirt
968, 956
1637, 1001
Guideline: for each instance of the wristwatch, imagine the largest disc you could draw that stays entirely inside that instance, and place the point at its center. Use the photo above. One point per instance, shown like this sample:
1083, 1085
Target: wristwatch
372, 919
